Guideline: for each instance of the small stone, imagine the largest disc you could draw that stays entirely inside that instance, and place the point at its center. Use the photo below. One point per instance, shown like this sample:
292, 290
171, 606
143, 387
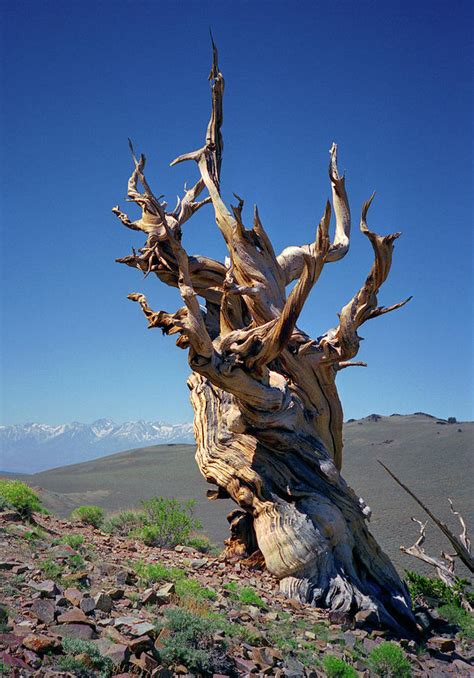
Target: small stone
134, 626
32, 659
163, 594
39, 643
115, 593
246, 665
44, 609
8, 564
180, 669
262, 657
139, 644
74, 596
48, 588
442, 644
162, 636
341, 619
14, 663
81, 631
149, 597
126, 577
197, 563
118, 653
74, 616
87, 605
368, 618
103, 602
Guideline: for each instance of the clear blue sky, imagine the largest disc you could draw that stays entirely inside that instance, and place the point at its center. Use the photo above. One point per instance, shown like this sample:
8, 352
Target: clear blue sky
389, 81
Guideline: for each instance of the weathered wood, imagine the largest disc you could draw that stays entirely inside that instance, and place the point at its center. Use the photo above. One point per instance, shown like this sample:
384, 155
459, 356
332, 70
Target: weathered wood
268, 420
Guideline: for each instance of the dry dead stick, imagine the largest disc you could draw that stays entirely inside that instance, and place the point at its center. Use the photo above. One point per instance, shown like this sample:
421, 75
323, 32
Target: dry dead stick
461, 550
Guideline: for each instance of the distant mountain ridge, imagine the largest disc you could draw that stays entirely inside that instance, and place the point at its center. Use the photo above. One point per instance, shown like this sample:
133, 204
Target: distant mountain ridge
33, 447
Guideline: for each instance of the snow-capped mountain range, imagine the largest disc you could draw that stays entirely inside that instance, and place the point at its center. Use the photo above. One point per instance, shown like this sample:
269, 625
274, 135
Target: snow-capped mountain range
29, 448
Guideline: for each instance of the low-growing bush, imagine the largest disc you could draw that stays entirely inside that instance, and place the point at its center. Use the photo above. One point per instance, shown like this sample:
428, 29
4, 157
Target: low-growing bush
51, 569
245, 595
190, 588
124, 523
434, 590
89, 515
72, 540
17, 495
389, 661
249, 597
149, 573
191, 642
457, 616
168, 522
83, 659
335, 667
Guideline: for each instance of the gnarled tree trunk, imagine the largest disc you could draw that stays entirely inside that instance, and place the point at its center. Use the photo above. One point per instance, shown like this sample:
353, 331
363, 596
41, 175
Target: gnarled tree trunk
268, 420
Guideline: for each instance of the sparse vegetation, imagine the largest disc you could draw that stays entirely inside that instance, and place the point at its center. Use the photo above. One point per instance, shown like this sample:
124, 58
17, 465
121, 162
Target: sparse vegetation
83, 659
457, 616
162, 522
168, 522
190, 588
75, 541
124, 523
337, 668
191, 643
17, 495
5, 670
89, 515
149, 573
51, 569
389, 661
248, 596
434, 591
245, 595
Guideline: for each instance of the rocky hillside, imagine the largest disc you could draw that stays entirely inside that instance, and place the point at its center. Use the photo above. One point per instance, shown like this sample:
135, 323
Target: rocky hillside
432, 456
79, 602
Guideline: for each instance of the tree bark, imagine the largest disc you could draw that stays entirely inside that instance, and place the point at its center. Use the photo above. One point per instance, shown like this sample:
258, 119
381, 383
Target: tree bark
268, 420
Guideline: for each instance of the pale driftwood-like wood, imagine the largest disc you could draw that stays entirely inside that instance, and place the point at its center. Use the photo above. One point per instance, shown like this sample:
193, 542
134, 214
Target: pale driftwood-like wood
445, 565
268, 420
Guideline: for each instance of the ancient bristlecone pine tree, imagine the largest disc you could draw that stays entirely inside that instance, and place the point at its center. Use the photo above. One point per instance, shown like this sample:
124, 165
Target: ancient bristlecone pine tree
268, 420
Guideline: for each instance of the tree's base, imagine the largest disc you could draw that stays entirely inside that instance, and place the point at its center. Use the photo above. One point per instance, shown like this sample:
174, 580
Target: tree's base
296, 509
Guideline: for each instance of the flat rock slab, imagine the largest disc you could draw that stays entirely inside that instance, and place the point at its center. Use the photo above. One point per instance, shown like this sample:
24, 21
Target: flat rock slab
81, 631
48, 588
134, 626
74, 616
40, 643
44, 609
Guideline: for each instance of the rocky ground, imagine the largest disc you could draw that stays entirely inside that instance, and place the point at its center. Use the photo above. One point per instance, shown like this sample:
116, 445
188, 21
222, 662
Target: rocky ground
189, 614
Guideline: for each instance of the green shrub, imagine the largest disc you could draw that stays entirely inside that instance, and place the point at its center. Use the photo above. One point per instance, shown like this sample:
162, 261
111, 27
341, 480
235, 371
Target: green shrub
457, 616
124, 523
422, 587
337, 668
201, 543
190, 588
5, 669
17, 495
389, 661
148, 573
168, 522
72, 540
89, 515
191, 643
51, 569
249, 597
76, 651
76, 562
